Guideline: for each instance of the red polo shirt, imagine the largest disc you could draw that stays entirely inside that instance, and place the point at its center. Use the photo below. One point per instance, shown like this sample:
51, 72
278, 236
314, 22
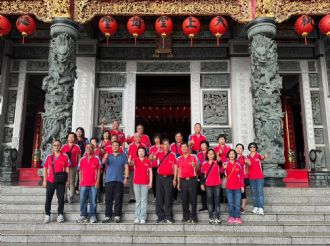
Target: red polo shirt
225, 149
141, 171
88, 169
166, 168
104, 143
201, 157
185, 166
235, 176
144, 139
241, 159
255, 170
197, 141
132, 151
120, 135
176, 149
75, 152
60, 163
213, 179
153, 150
108, 149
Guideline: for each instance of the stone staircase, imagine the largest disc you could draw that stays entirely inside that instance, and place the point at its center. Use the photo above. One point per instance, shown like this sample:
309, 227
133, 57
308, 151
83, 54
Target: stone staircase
293, 216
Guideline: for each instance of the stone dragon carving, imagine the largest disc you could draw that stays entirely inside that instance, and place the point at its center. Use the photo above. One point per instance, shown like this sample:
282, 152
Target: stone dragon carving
58, 86
266, 85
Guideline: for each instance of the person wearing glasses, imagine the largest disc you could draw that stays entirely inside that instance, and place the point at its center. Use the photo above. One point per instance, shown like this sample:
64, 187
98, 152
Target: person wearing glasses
256, 177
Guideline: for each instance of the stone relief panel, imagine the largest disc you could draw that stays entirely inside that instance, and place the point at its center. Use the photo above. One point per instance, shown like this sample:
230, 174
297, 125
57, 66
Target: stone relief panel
320, 160
316, 107
313, 80
288, 66
37, 65
221, 66
215, 108
110, 105
13, 80
215, 81
319, 135
14, 66
311, 66
111, 80
163, 66
107, 66
11, 106
296, 52
8, 134
213, 133
36, 52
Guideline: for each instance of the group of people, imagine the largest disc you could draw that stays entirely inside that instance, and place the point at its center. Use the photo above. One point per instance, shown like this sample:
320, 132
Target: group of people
191, 167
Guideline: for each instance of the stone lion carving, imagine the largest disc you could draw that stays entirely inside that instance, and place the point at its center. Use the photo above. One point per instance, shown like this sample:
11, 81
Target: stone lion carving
58, 86
266, 85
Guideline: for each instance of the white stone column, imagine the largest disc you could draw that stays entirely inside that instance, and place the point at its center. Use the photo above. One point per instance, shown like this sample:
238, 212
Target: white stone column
19, 123
84, 95
195, 87
129, 99
242, 111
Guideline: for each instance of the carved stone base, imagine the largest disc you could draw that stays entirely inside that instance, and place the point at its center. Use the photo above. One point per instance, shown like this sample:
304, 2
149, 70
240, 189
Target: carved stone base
273, 171
8, 175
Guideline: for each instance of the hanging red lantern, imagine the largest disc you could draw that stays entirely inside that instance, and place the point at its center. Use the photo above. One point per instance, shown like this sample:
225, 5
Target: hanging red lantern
304, 25
164, 27
218, 26
25, 25
108, 26
191, 27
5, 26
324, 25
136, 27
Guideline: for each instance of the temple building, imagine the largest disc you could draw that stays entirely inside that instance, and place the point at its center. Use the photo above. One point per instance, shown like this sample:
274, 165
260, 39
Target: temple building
261, 82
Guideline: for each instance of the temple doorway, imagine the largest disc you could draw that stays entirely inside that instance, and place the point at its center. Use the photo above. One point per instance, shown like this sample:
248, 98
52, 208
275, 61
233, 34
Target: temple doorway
163, 104
294, 145
32, 128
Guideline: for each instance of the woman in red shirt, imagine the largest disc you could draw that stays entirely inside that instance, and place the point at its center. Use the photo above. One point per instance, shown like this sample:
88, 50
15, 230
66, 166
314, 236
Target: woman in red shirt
243, 161
157, 147
210, 181
105, 140
256, 178
142, 183
234, 174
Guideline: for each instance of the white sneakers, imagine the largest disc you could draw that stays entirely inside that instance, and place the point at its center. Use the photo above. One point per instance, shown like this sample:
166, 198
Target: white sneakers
46, 219
60, 218
136, 221
259, 211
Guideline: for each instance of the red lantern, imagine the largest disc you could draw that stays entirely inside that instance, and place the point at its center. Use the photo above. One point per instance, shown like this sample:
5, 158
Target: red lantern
324, 25
164, 27
218, 26
108, 26
191, 27
25, 25
136, 27
304, 25
5, 26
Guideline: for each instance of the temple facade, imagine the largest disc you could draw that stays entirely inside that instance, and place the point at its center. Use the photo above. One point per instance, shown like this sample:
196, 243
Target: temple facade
262, 83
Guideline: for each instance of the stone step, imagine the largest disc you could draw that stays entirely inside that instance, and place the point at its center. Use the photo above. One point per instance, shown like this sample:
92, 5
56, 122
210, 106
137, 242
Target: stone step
311, 200
37, 216
274, 191
177, 207
200, 227
166, 237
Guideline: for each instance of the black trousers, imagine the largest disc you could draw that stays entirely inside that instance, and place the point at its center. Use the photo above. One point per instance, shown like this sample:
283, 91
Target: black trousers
189, 197
203, 195
114, 191
50, 190
154, 181
164, 197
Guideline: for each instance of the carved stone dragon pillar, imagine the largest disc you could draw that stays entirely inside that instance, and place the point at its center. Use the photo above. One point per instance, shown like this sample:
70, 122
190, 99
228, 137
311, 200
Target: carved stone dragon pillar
266, 85
59, 82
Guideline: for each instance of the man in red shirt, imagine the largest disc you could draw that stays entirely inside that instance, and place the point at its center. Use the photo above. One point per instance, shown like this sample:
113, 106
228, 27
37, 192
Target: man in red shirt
187, 183
176, 146
196, 139
132, 154
116, 131
166, 180
89, 175
222, 149
57, 162
74, 153
201, 156
144, 138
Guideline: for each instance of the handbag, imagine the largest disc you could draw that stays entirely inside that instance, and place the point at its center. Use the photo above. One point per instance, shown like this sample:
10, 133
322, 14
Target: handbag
60, 177
208, 173
69, 153
225, 179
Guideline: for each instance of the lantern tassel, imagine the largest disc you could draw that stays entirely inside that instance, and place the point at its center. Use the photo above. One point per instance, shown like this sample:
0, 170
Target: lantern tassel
163, 38
191, 36
24, 34
304, 34
135, 35
107, 35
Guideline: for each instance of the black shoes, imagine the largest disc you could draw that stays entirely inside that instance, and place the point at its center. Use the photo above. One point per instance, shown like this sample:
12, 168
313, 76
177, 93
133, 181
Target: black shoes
131, 201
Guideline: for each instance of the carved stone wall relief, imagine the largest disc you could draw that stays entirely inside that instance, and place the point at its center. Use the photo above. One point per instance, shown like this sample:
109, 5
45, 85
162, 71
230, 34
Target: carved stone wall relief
215, 108
110, 105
